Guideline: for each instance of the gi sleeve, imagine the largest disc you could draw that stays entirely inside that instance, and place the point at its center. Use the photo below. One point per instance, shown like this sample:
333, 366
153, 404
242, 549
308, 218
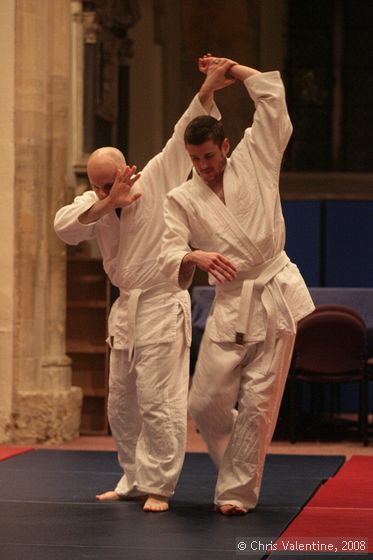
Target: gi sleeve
270, 132
172, 166
66, 222
175, 243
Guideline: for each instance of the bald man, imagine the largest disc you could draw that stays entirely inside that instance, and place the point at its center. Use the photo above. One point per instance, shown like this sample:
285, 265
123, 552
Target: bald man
149, 324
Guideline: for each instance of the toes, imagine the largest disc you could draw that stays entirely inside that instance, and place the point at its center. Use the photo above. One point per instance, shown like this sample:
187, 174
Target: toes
110, 496
156, 504
231, 509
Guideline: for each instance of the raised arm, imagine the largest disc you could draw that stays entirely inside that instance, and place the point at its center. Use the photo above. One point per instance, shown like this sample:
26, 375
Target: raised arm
172, 166
271, 129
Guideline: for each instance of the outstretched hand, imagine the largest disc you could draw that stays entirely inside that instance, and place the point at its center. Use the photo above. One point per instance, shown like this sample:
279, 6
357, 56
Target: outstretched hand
120, 193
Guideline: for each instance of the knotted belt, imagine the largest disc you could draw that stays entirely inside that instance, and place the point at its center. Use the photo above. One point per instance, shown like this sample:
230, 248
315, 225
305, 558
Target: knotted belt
257, 279
134, 296
133, 302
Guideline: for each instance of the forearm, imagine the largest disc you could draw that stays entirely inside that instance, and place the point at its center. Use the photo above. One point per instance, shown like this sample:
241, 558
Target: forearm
187, 269
214, 263
206, 97
240, 72
66, 222
99, 209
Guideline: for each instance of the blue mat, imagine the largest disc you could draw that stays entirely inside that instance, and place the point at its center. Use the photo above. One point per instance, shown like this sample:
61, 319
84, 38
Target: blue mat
57, 460
71, 476
124, 531
48, 510
302, 466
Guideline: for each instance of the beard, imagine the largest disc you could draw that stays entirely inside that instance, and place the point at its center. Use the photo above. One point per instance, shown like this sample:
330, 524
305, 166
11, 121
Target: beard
214, 174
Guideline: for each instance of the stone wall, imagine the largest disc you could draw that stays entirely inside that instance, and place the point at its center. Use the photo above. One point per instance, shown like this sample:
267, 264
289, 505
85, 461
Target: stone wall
7, 15
42, 405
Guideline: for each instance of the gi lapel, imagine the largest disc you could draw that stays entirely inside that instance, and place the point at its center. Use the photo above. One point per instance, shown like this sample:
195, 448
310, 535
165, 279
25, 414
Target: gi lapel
228, 222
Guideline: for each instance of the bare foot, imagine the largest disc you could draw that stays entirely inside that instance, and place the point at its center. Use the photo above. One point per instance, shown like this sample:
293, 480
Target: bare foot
156, 503
110, 496
231, 509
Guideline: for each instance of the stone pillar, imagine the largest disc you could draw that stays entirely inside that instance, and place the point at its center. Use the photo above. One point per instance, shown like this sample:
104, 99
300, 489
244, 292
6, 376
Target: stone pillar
7, 15
46, 407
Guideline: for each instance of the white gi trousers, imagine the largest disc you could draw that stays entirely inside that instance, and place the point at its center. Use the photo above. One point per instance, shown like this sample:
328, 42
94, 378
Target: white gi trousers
227, 374
147, 409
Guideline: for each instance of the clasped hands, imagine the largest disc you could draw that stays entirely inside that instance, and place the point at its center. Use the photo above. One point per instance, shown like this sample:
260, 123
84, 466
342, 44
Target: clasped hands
209, 63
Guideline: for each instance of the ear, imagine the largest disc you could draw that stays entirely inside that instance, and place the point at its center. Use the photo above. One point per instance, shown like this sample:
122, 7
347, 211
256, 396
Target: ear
225, 146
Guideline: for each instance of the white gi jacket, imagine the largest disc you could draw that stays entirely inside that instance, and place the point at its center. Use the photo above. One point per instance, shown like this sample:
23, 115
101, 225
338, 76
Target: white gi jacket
269, 292
145, 313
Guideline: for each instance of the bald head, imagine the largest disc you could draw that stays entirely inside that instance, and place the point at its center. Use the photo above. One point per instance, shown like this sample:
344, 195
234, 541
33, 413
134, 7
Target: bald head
102, 167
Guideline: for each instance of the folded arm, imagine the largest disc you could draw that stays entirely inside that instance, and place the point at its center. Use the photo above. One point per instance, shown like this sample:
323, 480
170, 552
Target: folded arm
120, 195
178, 261
66, 222
216, 264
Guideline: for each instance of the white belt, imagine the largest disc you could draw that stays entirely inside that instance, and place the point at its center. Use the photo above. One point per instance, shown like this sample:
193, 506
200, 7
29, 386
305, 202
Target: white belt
133, 302
257, 279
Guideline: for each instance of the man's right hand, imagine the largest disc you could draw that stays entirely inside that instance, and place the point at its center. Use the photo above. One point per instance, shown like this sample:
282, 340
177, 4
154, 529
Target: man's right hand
221, 268
216, 78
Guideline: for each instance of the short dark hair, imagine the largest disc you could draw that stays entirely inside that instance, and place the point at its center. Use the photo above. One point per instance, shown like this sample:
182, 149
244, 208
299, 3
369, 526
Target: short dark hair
204, 128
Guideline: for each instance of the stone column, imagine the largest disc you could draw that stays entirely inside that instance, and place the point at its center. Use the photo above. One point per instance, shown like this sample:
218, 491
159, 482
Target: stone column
46, 407
7, 15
